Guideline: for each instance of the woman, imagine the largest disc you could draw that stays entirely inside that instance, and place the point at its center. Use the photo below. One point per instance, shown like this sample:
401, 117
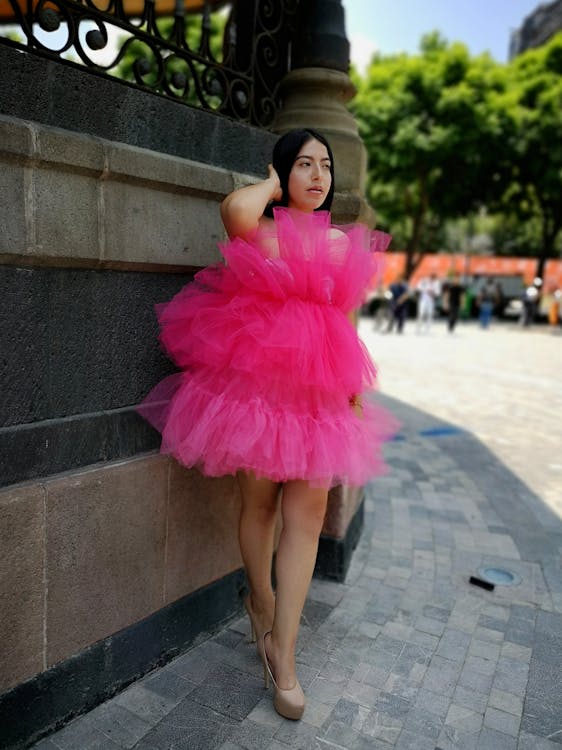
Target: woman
272, 377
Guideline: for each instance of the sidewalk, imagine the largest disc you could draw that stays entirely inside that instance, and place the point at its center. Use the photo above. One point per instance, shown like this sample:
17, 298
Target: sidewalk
405, 654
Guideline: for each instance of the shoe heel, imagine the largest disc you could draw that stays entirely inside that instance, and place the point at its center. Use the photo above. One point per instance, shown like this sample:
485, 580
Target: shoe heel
249, 610
265, 676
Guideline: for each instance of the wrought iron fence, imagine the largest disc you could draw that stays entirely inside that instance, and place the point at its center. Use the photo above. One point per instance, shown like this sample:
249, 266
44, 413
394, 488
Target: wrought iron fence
227, 57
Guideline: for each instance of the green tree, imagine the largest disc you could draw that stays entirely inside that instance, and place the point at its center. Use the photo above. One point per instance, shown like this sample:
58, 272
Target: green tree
533, 101
435, 135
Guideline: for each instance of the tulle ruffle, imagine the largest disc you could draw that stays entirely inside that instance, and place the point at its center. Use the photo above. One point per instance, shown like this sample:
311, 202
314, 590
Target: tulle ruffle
269, 357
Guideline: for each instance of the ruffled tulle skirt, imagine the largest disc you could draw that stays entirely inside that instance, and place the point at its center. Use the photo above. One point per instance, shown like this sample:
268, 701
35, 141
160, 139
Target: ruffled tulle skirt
268, 363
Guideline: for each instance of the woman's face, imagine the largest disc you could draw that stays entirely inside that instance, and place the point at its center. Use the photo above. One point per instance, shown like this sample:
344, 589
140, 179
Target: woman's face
310, 178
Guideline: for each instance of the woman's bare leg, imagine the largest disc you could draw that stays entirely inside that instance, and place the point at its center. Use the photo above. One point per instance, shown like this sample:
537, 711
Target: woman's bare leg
303, 509
256, 532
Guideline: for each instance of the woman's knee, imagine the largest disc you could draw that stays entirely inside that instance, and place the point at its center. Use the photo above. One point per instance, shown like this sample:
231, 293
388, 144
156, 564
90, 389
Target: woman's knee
259, 496
304, 507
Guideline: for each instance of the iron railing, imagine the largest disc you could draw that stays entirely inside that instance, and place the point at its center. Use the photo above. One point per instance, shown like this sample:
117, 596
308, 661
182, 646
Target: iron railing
228, 57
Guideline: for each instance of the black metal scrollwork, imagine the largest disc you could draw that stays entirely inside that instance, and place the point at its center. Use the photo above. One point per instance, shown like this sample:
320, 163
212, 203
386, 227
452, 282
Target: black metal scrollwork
228, 57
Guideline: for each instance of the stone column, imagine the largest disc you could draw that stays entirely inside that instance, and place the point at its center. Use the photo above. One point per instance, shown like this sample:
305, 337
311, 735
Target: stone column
314, 94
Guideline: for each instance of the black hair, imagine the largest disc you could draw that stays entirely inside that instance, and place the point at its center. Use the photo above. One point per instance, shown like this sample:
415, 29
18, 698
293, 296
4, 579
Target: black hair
284, 156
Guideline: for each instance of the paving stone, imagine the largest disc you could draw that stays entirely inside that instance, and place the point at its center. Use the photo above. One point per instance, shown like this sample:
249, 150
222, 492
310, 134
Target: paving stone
146, 704
422, 722
429, 625
431, 702
334, 672
263, 712
542, 717
424, 639
382, 726
512, 683
403, 687
492, 623
325, 691
486, 650
490, 739
452, 738
504, 701
46, 744
478, 664
123, 726
463, 719
520, 637
229, 692
502, 721
514, 651
340, 735
393, 705
81, 734
477, 681
410, 741
389, 645
532, 742
251, 735
361, 693
470, 699
299, 735
189, 726
487, 634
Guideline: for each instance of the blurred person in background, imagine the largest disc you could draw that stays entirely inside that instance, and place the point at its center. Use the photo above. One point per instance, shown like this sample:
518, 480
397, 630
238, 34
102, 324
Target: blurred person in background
400, 294
453, 294
429, 290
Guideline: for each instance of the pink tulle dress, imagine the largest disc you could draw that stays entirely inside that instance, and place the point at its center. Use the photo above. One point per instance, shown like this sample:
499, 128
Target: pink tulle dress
269, 358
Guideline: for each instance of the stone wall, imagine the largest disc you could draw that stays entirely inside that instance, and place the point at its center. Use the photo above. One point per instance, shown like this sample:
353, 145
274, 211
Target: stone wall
114, 558
110, 204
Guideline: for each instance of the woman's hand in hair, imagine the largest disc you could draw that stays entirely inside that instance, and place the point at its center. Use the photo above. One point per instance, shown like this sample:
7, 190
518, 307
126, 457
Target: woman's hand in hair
242, 209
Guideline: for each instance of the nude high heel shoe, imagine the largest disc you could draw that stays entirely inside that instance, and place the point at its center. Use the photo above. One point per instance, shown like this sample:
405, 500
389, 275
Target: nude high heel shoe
288, 703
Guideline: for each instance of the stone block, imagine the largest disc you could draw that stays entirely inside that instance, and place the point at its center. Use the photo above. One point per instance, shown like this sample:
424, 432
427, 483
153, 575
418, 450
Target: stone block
203, 517
21, 584
13, 235
16, 138
106, 532
129, 163
24, 329
80, 152
147, 225
65, 214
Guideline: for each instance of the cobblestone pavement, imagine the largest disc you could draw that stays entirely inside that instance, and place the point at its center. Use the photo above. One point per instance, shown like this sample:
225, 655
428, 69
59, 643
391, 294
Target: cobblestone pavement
406, 654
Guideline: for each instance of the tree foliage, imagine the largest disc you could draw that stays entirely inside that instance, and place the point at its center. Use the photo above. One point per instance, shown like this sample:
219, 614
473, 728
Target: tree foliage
534, 102
448, 134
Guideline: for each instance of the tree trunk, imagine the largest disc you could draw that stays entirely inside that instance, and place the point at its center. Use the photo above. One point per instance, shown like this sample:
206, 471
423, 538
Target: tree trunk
550, 229
413, 255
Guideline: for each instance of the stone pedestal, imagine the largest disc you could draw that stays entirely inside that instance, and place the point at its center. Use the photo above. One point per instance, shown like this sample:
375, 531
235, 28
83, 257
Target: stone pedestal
316, 98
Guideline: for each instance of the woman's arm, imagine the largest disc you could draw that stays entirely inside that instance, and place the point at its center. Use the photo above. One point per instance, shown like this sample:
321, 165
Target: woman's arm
242, 209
